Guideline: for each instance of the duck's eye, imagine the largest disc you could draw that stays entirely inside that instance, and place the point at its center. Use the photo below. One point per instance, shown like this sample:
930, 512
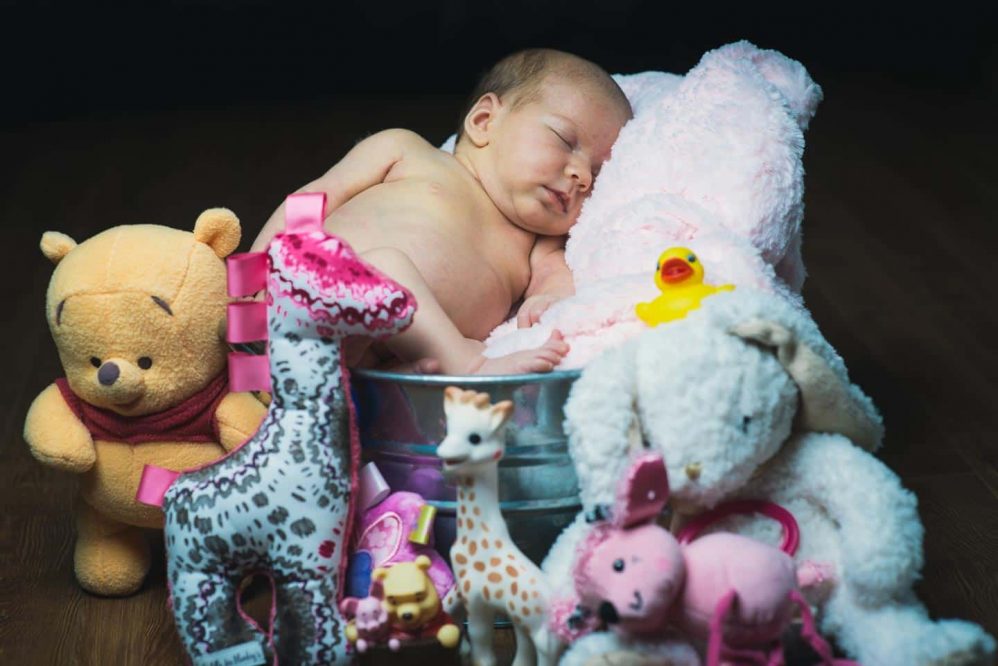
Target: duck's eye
618, 565
94, 361
658, 266
475, 438
692, 258
145, 362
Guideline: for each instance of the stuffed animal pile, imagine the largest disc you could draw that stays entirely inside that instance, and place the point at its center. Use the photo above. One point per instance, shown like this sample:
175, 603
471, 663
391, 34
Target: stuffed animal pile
710, 161
744, 399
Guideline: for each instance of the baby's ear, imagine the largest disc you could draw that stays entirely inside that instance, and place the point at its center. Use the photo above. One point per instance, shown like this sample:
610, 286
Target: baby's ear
478, 122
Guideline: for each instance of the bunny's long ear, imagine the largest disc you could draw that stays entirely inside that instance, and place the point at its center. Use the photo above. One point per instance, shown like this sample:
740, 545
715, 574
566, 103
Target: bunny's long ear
829, 403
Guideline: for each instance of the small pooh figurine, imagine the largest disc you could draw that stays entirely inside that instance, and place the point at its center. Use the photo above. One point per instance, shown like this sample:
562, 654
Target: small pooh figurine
679, 275
413, 605
138, 317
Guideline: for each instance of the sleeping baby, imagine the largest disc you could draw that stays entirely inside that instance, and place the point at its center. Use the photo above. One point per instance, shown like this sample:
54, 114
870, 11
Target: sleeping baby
473, 233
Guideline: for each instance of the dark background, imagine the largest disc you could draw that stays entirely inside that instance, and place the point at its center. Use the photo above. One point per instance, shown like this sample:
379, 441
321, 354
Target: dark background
62, 58
151, 112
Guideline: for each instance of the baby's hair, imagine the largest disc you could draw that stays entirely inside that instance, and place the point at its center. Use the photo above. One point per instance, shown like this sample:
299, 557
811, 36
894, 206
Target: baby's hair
517, 79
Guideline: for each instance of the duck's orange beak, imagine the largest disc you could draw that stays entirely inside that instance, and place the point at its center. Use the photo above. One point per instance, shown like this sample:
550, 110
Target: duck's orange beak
675, 270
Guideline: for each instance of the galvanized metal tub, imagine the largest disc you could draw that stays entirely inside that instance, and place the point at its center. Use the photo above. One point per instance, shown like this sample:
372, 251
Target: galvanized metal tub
401, 422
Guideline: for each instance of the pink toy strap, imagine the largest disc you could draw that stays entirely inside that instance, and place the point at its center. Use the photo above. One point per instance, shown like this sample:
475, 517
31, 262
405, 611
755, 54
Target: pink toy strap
247, 273
716, 639
303, 212
791, 531
153, 485
809, 632
246, 322
249, 372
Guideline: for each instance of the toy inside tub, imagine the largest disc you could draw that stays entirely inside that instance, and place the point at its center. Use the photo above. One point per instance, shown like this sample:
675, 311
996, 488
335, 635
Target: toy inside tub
401, 422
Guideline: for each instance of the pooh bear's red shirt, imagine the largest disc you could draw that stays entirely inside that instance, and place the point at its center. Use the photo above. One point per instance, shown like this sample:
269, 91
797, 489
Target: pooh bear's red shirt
190, 421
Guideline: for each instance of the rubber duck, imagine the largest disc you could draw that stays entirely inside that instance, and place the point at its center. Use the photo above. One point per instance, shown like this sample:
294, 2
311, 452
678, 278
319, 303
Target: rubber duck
679, 275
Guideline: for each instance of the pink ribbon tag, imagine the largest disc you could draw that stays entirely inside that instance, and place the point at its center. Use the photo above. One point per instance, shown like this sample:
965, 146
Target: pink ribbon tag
249, 372
246, 322
247, 273
153, 485
303, 212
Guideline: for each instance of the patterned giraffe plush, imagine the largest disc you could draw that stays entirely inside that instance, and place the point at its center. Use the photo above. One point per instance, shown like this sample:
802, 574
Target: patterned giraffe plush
493, 575
281, 505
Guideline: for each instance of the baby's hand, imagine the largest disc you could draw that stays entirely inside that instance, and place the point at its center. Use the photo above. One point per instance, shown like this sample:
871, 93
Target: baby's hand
532, 308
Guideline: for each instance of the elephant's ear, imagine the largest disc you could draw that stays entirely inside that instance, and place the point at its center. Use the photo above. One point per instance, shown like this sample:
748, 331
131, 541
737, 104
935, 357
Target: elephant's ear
829, 402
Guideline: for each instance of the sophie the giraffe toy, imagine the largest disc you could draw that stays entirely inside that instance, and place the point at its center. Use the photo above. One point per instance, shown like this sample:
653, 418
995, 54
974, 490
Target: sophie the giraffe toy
282, 504
492, 574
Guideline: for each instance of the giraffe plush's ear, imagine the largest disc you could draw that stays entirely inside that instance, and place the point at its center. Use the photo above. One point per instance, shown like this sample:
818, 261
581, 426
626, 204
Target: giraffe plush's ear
500, 413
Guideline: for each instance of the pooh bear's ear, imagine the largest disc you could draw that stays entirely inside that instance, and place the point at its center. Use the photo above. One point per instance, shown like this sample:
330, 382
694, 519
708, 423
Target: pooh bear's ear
56, 245
218, 228
423, 562
381, 573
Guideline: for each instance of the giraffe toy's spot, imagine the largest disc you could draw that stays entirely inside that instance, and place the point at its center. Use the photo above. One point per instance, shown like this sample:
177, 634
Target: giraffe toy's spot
514, 588
486, 593
460, 559
511, 570
479, 566
526, 612
485, 543
495, 578
499, 593
472, 547
477, 511
494, 562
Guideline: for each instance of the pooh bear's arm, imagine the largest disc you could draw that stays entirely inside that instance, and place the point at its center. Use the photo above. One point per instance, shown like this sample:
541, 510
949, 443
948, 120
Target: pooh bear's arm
237, 417
56, 436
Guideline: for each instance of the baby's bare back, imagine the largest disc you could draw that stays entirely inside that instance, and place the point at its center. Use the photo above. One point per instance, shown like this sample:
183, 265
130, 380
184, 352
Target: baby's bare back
432, 209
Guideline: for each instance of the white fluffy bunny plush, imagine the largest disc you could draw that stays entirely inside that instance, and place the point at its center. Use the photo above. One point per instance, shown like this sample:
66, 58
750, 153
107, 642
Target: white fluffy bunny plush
746, 400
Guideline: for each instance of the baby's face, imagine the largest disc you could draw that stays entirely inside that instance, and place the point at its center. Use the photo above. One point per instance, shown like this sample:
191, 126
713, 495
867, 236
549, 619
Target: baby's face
546, 154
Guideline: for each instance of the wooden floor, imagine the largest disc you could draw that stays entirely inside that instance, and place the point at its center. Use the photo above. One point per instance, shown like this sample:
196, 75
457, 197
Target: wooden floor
902, 189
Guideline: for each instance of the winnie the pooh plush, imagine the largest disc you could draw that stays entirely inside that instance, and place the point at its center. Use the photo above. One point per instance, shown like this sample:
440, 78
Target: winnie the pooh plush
138, 316
414, 610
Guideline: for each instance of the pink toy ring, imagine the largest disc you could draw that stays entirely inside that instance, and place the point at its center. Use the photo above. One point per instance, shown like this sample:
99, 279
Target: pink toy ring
791, 531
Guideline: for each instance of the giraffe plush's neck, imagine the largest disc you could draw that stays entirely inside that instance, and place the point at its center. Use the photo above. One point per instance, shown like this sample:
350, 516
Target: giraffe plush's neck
478, 492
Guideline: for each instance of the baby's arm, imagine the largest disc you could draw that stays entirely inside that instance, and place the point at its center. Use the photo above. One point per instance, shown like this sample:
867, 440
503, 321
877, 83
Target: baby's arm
550, 280
366, 165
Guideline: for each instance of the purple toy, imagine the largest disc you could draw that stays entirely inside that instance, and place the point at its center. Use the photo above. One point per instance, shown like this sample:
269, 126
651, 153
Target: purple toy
395, 527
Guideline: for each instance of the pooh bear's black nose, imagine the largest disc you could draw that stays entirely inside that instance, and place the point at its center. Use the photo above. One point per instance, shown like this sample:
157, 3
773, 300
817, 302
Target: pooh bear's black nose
108, 374
407, 617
